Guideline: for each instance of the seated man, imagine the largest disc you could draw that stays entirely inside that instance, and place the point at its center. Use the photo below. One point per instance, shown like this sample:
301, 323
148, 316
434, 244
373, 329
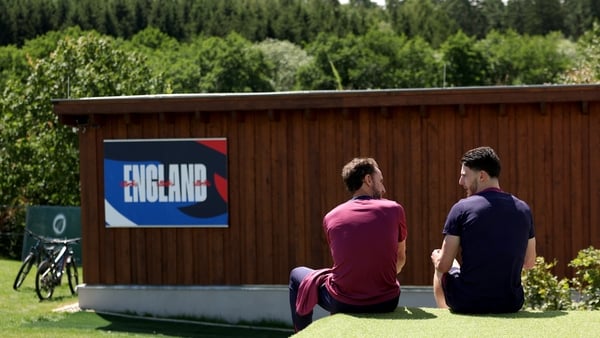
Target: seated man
367, 241
495, 235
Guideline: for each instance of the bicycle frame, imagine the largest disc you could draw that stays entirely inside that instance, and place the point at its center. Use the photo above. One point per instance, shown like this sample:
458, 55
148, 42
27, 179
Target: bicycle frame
37, 253
50, 271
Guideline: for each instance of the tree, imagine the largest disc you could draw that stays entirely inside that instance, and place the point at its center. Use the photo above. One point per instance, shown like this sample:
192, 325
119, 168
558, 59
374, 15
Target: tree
13, 65
167, 16
551, 16
465, 63
417, 65
38, 156
375, 61
176, 62
231, 65
515, 60
586, 68
286, 59
534, 17
494, 13
337, 64
577, 16
466, 15
425, 19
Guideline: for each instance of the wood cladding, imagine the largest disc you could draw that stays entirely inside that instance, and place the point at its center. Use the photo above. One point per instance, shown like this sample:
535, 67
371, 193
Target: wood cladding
286, 151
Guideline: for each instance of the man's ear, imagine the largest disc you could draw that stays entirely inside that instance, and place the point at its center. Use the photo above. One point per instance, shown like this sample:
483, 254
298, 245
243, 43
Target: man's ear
483, 176
368, 179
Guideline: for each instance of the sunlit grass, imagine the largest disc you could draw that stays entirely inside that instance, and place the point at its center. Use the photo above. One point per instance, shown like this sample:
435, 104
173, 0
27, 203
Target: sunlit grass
427, 322
23, 315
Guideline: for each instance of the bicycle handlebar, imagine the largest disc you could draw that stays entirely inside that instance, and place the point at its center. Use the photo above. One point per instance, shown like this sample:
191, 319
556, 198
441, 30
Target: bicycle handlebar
53, 240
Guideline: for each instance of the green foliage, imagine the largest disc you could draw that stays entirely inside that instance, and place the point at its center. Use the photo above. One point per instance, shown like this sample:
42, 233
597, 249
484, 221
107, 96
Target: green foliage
13, 65
232, 64
465, 62
543, 290
424, 18
377, 60
11, 231
286, 58
514, 59
579, 16
39, 157
587, 278
297, 21
468, 17
587, 64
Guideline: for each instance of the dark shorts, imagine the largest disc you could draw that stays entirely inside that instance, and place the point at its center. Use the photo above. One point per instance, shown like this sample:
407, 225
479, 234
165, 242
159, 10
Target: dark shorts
447, 279
458, 301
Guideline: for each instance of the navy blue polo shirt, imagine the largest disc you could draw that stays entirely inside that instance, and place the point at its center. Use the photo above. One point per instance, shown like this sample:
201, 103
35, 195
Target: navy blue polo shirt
494, 228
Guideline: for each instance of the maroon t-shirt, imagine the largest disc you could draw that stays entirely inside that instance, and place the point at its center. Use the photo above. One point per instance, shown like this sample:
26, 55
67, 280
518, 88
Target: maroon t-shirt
363, 236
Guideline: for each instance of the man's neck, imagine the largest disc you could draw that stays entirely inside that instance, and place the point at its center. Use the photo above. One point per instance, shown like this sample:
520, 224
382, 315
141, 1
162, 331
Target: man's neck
361, 192
489, 184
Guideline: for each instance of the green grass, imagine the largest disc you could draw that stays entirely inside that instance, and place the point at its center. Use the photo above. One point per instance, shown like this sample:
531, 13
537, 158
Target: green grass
23, 315
426, 322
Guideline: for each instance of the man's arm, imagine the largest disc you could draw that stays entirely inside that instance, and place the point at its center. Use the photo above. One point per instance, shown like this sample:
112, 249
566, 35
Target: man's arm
530, 254
401, 256
443, 258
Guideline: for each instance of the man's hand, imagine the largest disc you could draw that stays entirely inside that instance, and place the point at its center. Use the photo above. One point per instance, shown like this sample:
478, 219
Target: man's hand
435, 255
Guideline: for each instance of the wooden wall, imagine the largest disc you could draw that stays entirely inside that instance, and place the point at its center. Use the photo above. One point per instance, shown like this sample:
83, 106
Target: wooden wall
286, 151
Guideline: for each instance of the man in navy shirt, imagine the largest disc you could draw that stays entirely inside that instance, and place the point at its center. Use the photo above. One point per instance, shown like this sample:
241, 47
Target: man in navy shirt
494, 233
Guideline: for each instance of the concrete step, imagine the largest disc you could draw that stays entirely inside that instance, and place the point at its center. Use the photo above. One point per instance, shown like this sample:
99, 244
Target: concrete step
250, 303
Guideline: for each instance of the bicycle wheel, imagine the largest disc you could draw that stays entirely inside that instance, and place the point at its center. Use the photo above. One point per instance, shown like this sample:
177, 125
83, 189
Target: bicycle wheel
72, 275
24, 270
44, 280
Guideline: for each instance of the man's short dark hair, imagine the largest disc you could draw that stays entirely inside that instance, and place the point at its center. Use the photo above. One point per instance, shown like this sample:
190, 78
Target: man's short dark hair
482, 158
355, 171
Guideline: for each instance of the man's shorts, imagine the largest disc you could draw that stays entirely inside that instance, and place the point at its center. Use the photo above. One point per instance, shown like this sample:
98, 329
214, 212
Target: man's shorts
453, 273
459, 302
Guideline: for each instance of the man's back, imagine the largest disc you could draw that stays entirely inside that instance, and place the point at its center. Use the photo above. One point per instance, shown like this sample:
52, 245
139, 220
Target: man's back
363, 236
494, 228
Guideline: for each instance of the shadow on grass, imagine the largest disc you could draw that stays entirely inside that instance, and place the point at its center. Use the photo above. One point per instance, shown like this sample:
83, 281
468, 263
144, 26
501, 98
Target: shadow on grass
412, 313
59, 294
407, 313
138, 325
520, 314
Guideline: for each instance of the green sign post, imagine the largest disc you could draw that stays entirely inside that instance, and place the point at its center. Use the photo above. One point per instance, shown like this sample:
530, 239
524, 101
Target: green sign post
53, 222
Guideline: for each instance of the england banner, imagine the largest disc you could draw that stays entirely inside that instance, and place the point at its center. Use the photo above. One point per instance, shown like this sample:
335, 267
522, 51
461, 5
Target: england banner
166, 183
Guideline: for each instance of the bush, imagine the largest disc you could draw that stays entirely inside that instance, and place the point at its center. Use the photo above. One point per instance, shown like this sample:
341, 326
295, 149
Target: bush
587, 279
543, 290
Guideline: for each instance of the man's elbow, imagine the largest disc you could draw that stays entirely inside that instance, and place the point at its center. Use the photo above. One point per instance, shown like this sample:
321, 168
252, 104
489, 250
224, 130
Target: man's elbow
441, 267
400, 263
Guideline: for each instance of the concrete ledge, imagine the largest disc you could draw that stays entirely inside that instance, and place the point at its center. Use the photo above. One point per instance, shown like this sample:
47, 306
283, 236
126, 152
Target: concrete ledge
250, 303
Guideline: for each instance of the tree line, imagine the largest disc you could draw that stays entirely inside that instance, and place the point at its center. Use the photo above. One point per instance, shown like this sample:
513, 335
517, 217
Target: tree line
296, 21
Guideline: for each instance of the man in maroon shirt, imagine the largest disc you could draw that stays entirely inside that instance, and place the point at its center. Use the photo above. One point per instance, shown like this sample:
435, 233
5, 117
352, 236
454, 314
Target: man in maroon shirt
367, 241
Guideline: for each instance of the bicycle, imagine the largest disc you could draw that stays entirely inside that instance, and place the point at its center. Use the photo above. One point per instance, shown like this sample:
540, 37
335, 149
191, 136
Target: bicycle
38, 251
50, 271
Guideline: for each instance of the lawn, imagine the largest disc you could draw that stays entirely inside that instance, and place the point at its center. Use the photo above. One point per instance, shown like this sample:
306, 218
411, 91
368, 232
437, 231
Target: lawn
427, 322
23, 315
